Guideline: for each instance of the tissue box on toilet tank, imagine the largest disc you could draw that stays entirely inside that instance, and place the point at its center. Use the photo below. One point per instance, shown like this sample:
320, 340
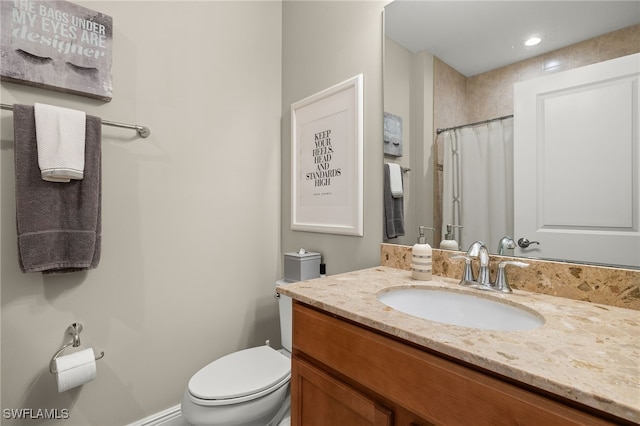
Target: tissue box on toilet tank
300, 266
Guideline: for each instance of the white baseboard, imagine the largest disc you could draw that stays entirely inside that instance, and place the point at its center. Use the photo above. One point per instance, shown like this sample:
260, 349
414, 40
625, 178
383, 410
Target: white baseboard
161, 418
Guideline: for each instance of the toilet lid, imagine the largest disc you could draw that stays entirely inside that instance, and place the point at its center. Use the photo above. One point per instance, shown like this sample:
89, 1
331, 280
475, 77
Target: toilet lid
240, 374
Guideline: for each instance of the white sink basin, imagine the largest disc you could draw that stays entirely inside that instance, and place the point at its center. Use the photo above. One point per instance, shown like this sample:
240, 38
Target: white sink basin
463, 309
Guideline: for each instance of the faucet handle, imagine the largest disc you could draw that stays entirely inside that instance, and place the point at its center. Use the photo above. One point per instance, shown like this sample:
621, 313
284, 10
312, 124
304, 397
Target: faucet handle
512, 262
467, 274
502, 284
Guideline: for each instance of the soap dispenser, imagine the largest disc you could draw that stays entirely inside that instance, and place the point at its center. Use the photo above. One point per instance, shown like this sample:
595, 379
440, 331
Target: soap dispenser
421, 257
449, 243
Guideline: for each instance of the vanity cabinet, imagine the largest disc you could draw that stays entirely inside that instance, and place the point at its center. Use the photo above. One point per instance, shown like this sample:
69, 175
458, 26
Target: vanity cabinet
346, 374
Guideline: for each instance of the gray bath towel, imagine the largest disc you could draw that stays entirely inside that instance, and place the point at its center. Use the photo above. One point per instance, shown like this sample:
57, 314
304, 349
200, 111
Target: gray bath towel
59, 224
393, 209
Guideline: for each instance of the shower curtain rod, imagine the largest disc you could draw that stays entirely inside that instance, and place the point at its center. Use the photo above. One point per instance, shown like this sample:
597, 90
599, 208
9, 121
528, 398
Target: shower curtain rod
143, 131
438, 131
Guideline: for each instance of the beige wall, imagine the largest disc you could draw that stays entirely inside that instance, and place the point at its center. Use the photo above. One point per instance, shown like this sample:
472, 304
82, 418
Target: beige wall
422, 164
397, 101
408, 92
191, 215
325, 43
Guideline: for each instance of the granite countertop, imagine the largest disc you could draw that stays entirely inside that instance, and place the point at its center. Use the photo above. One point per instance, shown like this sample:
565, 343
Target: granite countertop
584, 352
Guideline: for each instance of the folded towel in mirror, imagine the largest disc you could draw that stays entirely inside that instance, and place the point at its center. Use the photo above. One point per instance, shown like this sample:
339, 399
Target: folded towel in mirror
393, 209
395, 175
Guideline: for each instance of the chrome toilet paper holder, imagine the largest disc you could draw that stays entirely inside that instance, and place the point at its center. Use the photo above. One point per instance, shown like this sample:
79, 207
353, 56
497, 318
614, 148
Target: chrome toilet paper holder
74, 330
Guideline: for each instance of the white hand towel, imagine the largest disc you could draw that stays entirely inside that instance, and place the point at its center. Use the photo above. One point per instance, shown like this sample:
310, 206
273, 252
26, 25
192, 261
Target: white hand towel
60, 134
395, 178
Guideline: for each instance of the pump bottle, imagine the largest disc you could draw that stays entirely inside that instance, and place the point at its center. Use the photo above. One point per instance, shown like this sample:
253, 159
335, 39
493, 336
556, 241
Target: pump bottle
449, 243
421, 257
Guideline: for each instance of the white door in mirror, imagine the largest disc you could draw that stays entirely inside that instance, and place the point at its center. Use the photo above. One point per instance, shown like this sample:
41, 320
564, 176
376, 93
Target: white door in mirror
576, 162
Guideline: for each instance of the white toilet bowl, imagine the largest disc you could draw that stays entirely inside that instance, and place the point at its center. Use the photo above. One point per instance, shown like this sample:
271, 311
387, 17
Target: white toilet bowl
245, 388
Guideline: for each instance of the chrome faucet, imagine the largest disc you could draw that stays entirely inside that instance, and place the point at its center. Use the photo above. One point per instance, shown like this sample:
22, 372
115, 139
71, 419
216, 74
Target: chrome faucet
479, 250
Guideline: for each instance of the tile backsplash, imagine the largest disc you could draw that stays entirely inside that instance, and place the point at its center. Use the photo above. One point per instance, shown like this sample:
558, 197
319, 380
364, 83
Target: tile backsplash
595, 284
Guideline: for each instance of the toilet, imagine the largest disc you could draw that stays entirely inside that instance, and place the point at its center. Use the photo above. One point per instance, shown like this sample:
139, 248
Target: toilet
245, 388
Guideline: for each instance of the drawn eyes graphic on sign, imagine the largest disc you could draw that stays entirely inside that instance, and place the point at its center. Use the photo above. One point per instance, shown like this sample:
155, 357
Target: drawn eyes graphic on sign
32, 58
90, 72
35, 60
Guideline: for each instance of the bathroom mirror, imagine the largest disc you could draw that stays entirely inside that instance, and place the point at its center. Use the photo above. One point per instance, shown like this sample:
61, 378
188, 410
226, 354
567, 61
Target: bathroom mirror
475, 38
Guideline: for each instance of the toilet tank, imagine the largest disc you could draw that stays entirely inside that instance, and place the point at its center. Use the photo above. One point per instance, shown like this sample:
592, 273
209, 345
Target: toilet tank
286, 319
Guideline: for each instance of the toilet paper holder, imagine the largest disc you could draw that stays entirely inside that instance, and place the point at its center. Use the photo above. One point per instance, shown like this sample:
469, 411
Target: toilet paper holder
74, 330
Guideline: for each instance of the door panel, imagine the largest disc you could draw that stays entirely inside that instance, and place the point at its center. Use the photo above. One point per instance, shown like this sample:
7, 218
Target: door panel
576, 158
322, 400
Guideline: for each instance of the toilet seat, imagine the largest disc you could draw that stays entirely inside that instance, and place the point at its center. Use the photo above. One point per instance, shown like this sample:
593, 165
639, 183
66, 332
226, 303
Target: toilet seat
239, 377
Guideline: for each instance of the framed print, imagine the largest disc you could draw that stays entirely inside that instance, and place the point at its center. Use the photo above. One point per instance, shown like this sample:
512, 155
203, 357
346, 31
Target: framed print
57, 45
327, 156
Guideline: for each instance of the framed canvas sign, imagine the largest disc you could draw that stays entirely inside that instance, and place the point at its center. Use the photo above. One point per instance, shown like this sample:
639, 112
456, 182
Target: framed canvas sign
392, 135
327, 157
57, 45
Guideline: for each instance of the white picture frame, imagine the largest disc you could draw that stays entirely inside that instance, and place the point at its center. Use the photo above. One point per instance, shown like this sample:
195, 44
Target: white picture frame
327, 160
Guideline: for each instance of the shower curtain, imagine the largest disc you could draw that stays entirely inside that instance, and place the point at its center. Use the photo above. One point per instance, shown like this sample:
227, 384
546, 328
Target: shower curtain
477, 188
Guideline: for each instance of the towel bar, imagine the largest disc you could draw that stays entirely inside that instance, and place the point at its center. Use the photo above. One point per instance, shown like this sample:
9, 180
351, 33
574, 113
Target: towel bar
143, 131
74, 330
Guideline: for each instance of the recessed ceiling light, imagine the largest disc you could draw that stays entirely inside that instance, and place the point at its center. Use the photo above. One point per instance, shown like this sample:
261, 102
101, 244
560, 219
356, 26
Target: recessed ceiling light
532, 41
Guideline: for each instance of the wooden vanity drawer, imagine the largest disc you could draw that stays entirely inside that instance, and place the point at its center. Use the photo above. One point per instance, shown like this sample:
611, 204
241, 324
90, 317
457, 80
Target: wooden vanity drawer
435, 389
323, 400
